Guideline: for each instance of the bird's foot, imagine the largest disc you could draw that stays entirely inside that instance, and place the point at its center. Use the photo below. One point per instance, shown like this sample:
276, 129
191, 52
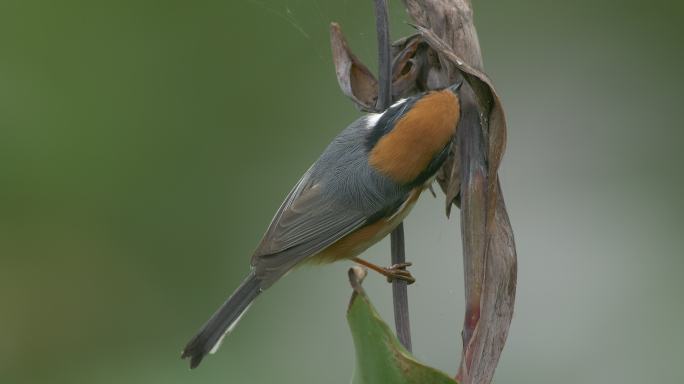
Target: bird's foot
395, 272
399, 272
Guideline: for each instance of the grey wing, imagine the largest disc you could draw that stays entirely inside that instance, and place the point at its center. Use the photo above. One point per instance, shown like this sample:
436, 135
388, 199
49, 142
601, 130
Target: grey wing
305, 224
336, 196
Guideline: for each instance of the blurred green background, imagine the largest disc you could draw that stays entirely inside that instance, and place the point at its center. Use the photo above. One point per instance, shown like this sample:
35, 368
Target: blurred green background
144, 147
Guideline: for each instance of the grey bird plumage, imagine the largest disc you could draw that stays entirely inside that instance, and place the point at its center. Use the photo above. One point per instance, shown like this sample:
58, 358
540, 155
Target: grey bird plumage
337, 195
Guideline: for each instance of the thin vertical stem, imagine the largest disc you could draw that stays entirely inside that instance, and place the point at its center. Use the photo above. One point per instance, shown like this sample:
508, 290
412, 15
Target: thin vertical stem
399, 287
384, 60
400, 290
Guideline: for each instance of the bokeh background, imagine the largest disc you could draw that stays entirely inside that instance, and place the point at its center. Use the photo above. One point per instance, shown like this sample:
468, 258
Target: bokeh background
144, 147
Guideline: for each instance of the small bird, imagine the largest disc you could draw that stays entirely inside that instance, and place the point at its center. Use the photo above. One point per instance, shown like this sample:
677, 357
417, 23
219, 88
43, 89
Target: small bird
362, 186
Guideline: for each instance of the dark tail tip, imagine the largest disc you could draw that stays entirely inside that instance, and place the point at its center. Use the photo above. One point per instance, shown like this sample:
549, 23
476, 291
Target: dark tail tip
222, 321
193, 351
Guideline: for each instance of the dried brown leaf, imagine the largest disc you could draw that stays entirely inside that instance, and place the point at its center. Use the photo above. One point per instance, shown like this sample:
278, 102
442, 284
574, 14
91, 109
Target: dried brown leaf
489, 250
406, 67
482, 353
490, 104
448, 178
355, 79
452, 20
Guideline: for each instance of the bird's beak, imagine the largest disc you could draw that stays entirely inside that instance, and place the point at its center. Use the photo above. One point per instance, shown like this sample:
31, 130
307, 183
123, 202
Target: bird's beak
455, 87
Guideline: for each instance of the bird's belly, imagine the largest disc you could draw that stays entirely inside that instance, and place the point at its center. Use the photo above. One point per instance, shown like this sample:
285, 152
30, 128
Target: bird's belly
363, 238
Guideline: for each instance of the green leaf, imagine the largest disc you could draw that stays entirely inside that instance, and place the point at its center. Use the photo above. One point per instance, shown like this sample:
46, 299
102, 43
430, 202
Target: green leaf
380, 358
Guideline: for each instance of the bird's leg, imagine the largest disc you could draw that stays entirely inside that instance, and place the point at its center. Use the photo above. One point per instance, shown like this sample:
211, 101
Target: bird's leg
395, 272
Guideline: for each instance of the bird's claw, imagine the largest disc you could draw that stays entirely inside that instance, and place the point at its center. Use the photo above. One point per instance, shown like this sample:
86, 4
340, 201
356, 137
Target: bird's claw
399, 272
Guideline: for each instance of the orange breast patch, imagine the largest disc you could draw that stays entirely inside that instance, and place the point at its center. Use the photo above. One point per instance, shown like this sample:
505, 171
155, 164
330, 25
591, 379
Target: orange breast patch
418, 136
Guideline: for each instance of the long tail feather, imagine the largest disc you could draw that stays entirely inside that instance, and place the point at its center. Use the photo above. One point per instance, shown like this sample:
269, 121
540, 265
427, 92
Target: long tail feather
209, 337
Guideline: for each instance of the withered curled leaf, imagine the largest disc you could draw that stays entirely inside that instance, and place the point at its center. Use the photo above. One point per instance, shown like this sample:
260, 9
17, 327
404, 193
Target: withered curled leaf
490, 261
355, 79
498, 300
406, 67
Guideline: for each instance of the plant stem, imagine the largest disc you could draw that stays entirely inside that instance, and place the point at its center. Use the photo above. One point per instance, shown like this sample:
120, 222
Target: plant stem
399, 288
384, 60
